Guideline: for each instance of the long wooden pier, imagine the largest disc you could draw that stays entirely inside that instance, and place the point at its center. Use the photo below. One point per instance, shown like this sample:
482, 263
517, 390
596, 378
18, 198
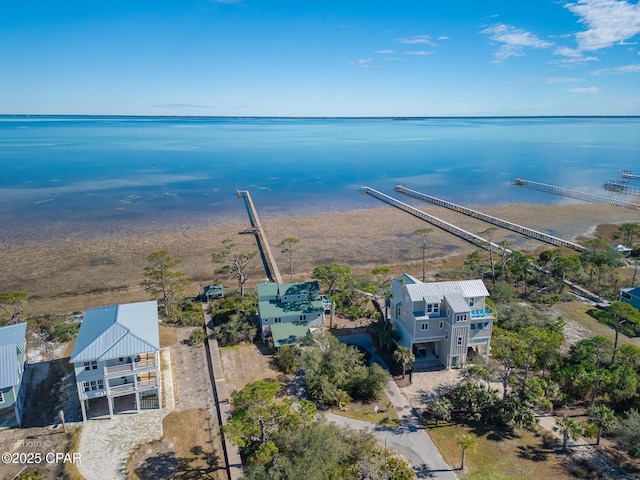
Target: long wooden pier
446, 226
269, 261
543, 237
627, 175
619, 187
577, 194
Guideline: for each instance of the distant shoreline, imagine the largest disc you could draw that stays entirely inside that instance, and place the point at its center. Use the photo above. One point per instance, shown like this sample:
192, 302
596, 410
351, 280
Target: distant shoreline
277, 117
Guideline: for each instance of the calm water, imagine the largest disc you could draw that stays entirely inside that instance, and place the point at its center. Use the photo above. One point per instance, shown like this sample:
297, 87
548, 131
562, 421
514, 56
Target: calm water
64, 176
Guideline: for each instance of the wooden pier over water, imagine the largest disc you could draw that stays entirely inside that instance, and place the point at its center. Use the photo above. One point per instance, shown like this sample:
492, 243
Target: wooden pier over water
543, 237
577, 194
446, 226
268, 260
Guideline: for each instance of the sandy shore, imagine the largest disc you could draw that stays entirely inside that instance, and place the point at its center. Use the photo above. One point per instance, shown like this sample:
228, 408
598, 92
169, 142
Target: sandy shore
72, 274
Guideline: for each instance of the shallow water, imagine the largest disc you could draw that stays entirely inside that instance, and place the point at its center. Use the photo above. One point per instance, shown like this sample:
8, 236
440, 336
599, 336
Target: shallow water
83, 176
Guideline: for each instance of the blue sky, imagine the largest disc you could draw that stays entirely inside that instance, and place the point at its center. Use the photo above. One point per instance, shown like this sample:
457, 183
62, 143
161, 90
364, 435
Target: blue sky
322, 58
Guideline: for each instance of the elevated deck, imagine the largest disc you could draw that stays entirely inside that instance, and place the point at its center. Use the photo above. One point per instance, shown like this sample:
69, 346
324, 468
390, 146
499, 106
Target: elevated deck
577, 194
543, 237
435, 221
268, 260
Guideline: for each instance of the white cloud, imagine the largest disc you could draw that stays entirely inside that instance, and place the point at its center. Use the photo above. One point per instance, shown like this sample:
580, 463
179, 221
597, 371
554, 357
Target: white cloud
384, 52
514, 40
608, 22
552, 80
418, 40
635, 68
585, 90
572, 62
363, 62
418, 52
568, 52
443, 37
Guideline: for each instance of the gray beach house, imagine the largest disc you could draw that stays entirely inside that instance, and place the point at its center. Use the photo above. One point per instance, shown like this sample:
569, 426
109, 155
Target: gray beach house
441, 321
117, 359
12, 378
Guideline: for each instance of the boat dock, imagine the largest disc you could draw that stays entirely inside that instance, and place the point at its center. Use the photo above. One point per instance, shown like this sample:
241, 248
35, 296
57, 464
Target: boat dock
622, 184
435, 221
268, 260
543, 237
577, 194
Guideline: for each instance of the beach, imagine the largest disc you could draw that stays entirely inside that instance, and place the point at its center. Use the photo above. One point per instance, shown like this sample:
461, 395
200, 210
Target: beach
78, 272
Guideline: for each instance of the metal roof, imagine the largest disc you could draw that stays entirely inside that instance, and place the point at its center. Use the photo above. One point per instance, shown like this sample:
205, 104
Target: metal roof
117, 331
285, 289
273, 308
12, 341
466, 288
456, 303
288, 333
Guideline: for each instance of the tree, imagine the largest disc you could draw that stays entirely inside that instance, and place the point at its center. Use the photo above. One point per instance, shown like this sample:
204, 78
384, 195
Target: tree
569, 429
387, 336
627, 432
629, 232
287, 245
489, 234
591, 353
333, 276
404, 356
508, 348
441, 409
382, 286
161, 280
11, 304
237, 262
603, 418
465, 442
423, 234
622, 313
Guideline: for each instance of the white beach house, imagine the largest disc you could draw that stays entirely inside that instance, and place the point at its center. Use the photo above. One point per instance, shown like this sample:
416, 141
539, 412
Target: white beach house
12, 378
441, 320
117, 359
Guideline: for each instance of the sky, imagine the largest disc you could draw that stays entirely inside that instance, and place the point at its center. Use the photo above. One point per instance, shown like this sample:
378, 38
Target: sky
320, 58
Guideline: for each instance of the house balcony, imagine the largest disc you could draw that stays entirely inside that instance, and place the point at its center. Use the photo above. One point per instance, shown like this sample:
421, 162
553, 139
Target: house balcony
426, 336
123, 369
486, 313
132, 387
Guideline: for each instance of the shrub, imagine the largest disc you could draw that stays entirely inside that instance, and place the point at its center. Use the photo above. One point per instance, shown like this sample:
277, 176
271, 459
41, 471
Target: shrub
64, 332
288, 359
197, 336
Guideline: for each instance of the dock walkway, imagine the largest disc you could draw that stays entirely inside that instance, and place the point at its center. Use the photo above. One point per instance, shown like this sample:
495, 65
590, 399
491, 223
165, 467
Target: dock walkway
577, 194
269, 261
446, 226
543, 237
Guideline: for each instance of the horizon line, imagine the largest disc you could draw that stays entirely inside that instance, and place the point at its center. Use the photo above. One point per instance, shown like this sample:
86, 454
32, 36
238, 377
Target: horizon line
313, 117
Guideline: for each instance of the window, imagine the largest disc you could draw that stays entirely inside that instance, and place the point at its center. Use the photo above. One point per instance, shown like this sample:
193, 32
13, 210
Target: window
94, 385
94, 364
1, 397
486, 324
459, 341
473, 326
277, 320
461, 318
121, 359
446, 335
433, 308
87, 365
303, 317
424, 326
441, 325
100, 384
626, 295
472, 302
85, 386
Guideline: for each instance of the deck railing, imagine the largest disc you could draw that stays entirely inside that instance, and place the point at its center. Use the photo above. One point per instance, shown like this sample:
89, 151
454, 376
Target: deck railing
132, 387
125, 368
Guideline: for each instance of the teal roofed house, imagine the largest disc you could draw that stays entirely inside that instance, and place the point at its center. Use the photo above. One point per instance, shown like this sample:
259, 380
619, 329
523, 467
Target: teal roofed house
289, 303
631, 296
12, 379
117, 359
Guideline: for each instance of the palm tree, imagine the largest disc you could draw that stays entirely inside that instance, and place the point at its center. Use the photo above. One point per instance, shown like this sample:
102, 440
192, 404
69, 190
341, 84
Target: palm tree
569, 429
603, 418
404, 356
465, 442
441, 409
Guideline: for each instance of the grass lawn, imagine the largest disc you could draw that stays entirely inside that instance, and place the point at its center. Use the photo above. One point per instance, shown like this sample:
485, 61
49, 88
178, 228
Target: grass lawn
386, 415
578, 311
496, 456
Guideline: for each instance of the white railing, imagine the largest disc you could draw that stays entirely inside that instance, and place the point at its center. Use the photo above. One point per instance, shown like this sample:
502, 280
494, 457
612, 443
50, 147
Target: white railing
142, 364
131, 387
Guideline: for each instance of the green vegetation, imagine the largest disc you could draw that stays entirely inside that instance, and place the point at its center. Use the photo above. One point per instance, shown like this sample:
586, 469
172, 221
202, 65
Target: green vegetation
236, 262
278, 443
234, 319
11, 307
346, 291
161, 281
287, 247
197, 336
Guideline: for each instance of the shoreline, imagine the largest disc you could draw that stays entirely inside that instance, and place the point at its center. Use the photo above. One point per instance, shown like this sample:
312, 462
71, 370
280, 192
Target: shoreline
73, 274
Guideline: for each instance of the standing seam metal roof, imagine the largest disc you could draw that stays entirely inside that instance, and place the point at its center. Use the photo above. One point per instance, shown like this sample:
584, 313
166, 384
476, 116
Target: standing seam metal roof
12, 340
117, 331
466, 288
